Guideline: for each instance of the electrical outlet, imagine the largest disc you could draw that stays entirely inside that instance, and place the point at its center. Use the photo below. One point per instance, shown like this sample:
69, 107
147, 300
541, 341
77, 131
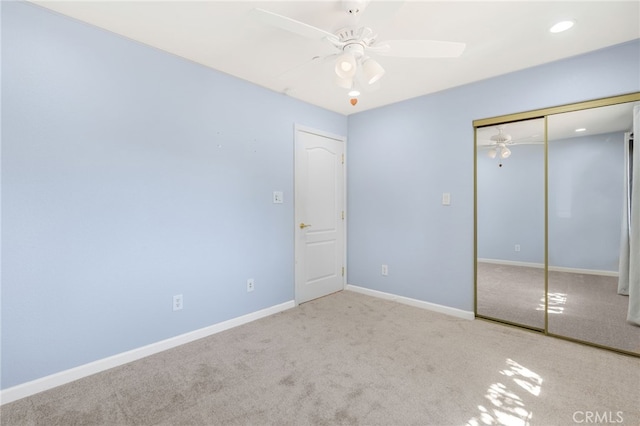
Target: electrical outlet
517, 247
385, 270
250, 285
177, 302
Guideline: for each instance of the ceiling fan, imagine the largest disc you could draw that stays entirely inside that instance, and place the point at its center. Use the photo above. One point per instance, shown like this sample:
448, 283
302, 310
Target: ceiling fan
498, 144
354, 67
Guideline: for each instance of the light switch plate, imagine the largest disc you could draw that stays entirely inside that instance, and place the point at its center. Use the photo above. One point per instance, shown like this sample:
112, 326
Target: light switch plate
446, 199
278, 197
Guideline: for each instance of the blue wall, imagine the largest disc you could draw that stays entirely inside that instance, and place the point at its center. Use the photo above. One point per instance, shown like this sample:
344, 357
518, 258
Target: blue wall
404, 156
129, 176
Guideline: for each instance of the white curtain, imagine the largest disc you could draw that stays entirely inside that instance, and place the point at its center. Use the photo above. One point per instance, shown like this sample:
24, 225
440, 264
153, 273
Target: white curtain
623, 268
629, 281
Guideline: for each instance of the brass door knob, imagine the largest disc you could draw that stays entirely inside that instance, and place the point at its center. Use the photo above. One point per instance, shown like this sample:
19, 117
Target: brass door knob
302, 225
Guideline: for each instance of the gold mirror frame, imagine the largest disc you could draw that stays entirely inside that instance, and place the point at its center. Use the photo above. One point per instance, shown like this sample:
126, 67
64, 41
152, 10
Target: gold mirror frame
510, 118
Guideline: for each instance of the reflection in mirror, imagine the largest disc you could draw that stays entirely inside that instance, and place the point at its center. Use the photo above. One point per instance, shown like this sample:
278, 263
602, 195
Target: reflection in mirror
510, 222
586, 174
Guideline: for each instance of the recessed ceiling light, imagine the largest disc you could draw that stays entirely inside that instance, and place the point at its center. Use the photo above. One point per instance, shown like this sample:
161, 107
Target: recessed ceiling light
581, 129
354, 93
561, 26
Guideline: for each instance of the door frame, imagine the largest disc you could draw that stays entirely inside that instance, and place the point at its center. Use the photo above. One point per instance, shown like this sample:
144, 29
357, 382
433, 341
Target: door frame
296, 272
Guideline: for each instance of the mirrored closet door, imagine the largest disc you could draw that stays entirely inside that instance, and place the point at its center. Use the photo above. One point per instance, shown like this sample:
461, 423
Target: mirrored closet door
552, 221
586, 199
510, 222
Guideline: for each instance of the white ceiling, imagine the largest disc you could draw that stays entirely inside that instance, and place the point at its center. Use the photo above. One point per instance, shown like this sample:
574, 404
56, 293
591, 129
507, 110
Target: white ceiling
501, 37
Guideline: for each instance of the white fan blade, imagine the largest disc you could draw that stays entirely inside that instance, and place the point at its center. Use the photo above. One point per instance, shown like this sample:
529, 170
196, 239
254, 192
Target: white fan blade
422, 49
292, 25
527, 141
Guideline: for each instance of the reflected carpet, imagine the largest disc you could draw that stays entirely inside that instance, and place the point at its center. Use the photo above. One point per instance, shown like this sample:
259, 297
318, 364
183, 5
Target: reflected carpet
581, 306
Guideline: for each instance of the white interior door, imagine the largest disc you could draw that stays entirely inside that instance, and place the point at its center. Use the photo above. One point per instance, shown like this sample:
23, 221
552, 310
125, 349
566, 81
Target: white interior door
319, 214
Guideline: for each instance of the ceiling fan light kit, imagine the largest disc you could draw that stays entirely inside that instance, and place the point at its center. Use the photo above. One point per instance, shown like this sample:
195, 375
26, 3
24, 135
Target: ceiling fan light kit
346, 66
505, 153
372, 70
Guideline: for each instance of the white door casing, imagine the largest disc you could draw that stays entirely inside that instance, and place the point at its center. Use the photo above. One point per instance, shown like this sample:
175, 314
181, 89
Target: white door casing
320, 230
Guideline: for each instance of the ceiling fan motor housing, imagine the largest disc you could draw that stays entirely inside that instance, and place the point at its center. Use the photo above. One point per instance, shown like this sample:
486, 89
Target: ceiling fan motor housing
501, 138
356, 49
354, 40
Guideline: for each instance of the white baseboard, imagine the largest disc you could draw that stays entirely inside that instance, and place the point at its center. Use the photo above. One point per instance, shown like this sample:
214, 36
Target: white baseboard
551, 268
512, 263
48, 382
413, 302
584, 271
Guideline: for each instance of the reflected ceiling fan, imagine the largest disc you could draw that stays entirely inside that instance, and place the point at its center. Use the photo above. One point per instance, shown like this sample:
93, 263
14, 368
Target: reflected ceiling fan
498, 144
354, 45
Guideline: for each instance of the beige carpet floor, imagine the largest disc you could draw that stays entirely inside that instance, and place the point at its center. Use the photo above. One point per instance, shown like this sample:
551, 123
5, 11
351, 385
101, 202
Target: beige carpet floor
354, 360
